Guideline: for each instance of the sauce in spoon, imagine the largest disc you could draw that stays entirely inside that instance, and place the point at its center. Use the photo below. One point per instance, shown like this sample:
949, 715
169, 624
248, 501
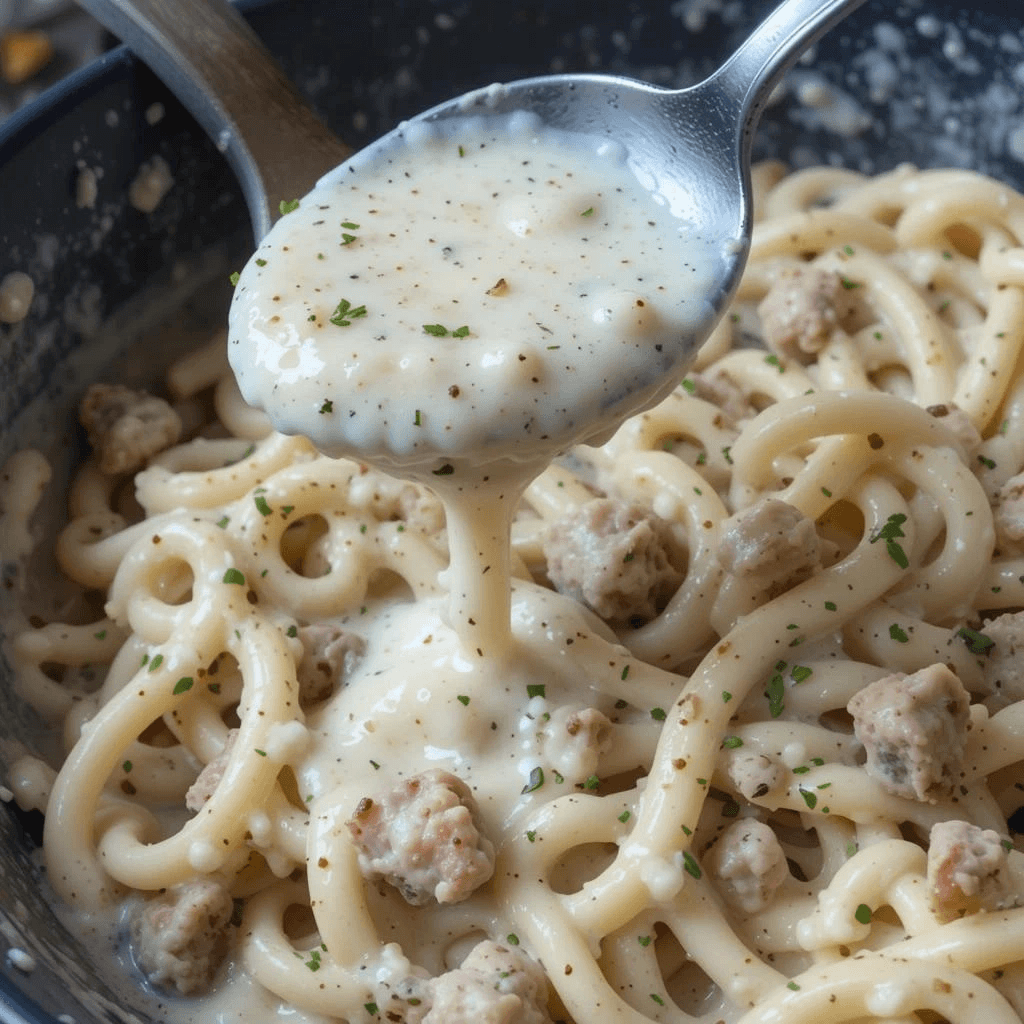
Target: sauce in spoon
463, 305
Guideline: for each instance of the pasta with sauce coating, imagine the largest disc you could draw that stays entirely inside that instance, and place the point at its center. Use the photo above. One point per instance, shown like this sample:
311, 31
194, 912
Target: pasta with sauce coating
683, 823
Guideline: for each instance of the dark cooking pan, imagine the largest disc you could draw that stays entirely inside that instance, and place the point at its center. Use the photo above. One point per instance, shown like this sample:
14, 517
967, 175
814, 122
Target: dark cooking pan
911, 81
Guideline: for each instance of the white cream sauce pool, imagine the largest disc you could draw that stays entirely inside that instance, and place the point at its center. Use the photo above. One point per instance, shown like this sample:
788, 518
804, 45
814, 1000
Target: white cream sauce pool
486, 287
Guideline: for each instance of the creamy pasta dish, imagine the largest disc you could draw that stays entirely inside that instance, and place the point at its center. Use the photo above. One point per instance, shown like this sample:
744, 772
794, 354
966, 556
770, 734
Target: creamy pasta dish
749, 749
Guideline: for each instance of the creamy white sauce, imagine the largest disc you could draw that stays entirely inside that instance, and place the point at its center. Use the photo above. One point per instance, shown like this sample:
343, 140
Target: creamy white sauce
461, 305
417, 701
509, 291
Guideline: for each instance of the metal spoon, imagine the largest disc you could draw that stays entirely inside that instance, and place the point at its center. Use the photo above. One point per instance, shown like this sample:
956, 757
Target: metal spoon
694, 142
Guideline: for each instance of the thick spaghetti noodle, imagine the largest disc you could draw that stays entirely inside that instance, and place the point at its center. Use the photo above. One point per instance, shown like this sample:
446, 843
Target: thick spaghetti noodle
731, 806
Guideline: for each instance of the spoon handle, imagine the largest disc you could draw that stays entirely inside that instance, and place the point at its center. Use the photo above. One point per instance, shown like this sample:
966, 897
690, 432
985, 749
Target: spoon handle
751, 73
210, 58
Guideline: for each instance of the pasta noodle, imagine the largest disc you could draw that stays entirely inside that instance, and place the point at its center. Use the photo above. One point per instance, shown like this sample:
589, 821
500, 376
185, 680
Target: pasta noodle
735, 807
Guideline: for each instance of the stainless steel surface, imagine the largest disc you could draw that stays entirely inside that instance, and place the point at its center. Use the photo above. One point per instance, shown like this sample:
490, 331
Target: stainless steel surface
211, 59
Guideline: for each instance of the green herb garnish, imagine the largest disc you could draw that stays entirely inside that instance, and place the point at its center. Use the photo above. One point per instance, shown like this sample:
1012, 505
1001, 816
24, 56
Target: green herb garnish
345, 313
977, 643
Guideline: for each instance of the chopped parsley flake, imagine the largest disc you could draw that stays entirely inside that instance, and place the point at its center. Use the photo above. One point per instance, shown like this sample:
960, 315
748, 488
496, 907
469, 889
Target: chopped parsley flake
625, 672
591, 782
863, 913
183, 685
156, 663
327, 407
658, 714
776, 694
726, 696
809, 798
732, 742
644, 940
234, 576
345, 313
262, 507
512, 939
536, 690
624, 817
987, 462
234, 278
888, 533
536, 780
773, 360
292, 631
690, 865
101, 635
588, 212
830, 606
531, 835
793, 985
288, 205
261, 263
800, 673
462, 699
223, 521
977, 643
689, 385
657, 999
896, 633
